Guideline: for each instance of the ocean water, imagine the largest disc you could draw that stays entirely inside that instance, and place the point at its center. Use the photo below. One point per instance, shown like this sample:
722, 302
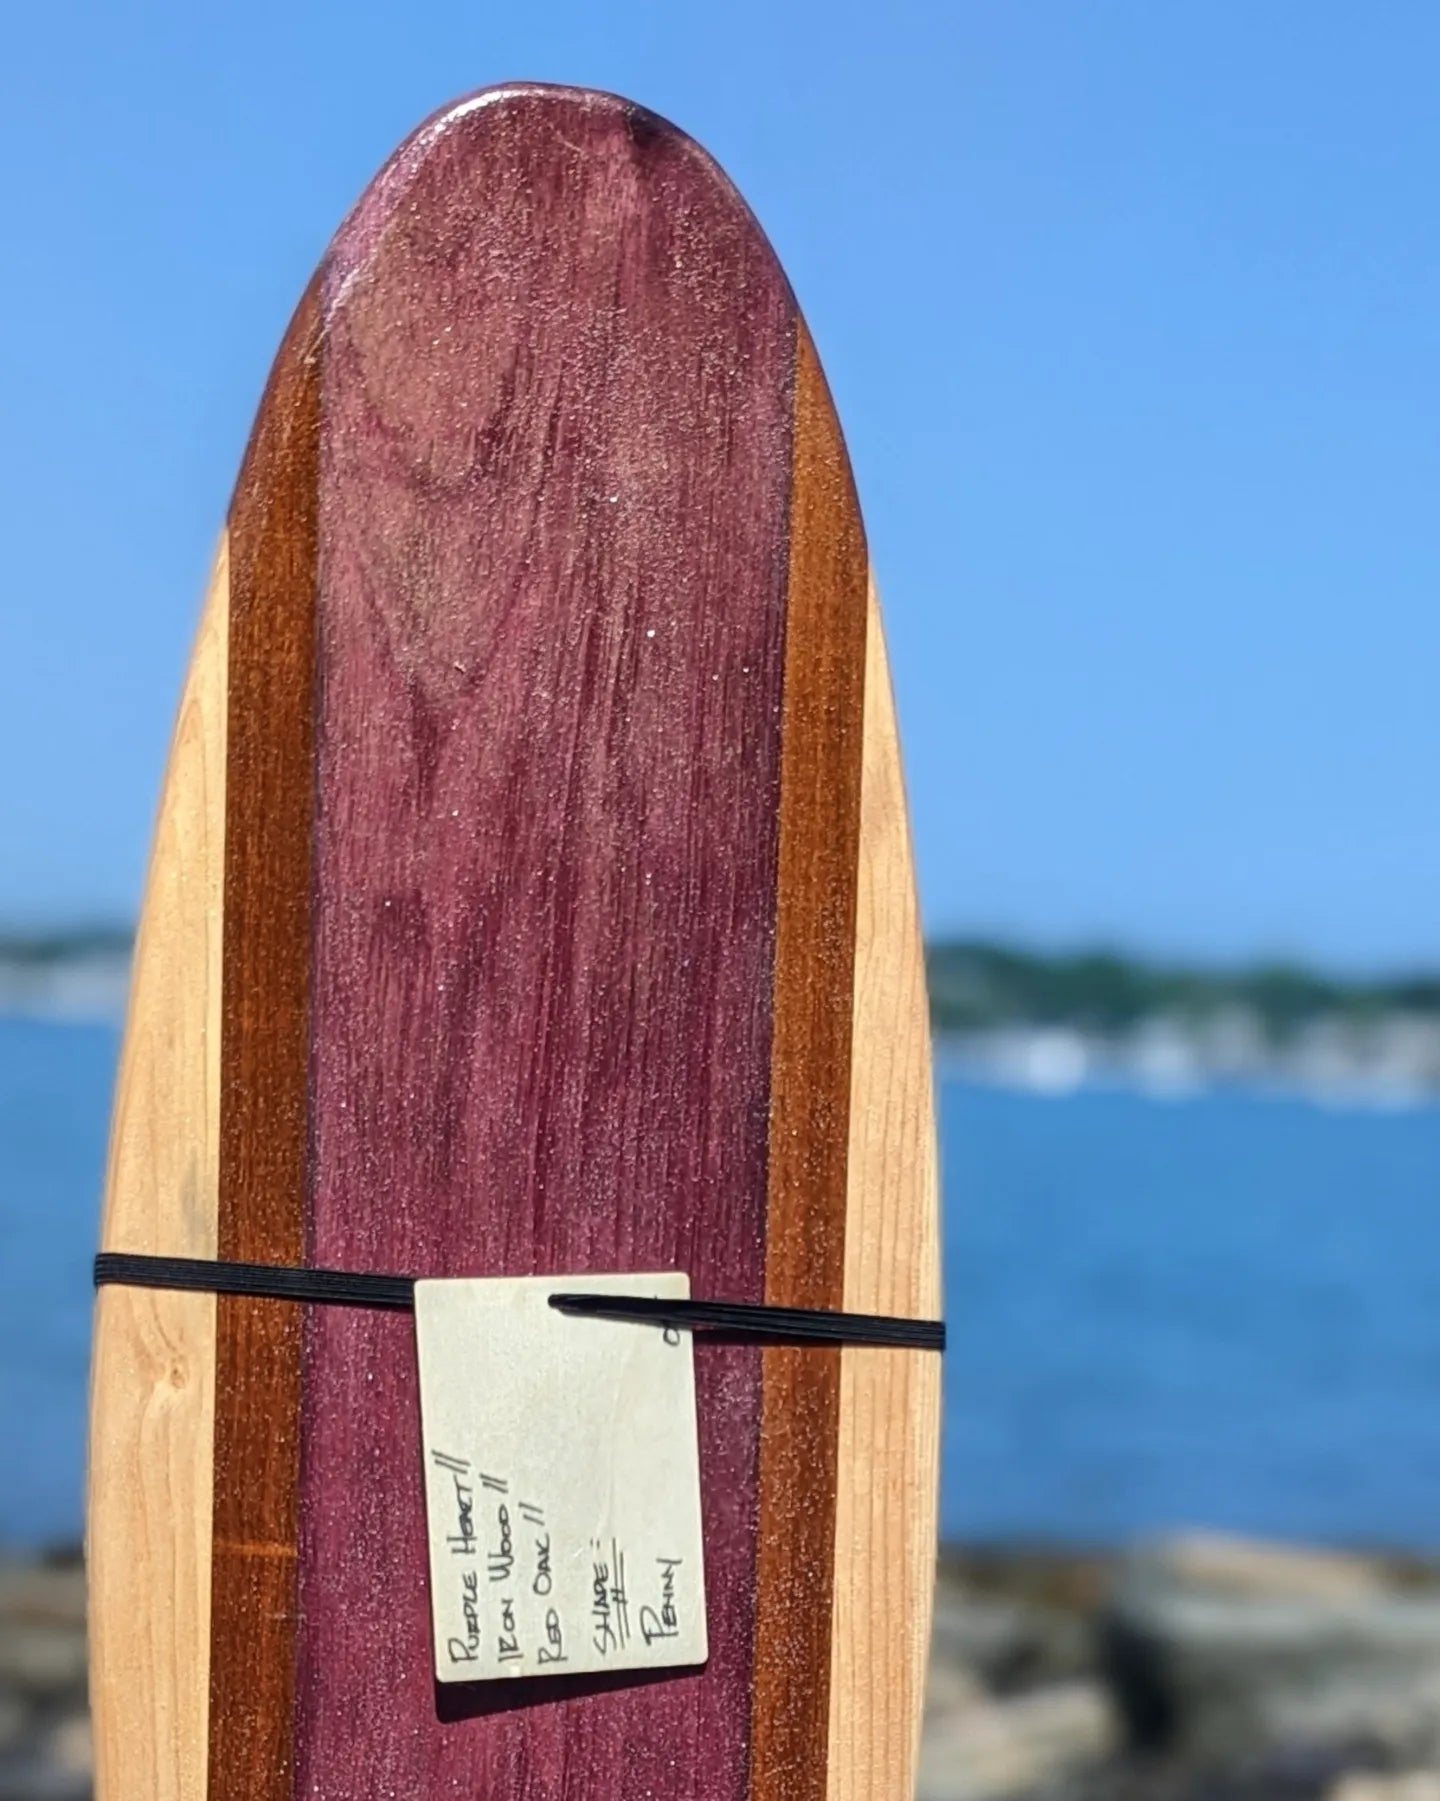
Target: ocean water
1222, 1310
54, 1118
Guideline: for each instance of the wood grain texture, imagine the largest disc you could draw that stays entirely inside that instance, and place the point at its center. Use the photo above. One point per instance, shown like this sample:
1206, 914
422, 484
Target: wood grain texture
554, 486
889, 1412
152, 1381
265, 1076
821, 735
550, 912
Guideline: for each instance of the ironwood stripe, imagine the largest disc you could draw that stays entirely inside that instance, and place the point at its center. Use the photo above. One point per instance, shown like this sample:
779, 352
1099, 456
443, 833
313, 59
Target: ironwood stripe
810, 1094
264, 1112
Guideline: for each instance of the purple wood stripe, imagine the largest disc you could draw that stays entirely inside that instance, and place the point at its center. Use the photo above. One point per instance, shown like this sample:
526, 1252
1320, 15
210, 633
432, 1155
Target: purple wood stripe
555, 463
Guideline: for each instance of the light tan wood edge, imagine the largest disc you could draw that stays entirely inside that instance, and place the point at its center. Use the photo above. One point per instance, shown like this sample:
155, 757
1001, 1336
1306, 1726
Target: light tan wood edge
152, 1381
152, 1374
888, 1467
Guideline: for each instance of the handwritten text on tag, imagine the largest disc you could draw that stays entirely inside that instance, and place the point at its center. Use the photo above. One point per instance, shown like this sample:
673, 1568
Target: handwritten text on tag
562, 1481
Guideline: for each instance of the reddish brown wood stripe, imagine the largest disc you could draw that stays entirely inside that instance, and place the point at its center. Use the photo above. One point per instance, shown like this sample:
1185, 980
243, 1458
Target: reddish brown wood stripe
264, 1110
810, 1093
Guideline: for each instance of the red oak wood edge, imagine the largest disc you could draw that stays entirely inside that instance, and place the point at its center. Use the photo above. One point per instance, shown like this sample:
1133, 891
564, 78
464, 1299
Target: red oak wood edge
532, 892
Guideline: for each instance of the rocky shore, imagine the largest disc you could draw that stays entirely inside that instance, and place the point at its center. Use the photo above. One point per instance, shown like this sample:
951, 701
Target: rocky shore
1194, 1669
44, 1726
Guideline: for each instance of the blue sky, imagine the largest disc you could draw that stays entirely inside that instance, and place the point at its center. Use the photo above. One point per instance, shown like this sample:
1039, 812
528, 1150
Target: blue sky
1131, 312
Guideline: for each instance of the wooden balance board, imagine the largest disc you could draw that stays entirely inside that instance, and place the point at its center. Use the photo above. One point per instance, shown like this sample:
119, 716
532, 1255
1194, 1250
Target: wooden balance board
531, 893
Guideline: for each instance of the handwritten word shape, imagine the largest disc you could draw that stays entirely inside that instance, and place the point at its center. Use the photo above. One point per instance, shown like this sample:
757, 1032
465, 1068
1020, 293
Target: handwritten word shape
561, 1480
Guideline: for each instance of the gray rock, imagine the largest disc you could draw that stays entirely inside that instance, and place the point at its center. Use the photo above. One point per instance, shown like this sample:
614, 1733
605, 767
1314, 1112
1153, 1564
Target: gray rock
949, 1687
992, 1748
1009, 1643
1367, 1785
42, 1594
1245, 1567
69, 1745
42, 1661
14, 1719
37, 1779
1225, 1652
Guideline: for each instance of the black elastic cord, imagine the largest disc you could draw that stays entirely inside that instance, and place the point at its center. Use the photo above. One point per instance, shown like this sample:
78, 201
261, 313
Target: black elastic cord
795, 1325
340, 1287
350, 1288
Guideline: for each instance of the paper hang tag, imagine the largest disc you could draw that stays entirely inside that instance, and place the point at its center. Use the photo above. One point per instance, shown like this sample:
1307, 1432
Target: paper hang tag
562, 1481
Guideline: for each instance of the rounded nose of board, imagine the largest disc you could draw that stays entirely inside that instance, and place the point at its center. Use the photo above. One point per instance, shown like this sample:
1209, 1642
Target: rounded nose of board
540, 660
548, 543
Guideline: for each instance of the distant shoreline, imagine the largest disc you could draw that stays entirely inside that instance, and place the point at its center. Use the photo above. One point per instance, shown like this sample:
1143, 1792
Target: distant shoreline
1040, 1022
69, 977
1046, 1064
1054, 1023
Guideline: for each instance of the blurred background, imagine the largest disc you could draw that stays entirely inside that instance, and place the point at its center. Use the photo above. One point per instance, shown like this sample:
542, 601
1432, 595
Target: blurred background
1132, 314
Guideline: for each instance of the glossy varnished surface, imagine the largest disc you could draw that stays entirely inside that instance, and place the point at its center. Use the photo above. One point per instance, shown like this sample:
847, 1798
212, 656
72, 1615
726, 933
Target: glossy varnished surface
549, 713
265, 1074
555, 471
810, 1089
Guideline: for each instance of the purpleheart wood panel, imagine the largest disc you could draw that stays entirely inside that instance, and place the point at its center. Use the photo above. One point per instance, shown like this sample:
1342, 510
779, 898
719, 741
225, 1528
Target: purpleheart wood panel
555, 466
